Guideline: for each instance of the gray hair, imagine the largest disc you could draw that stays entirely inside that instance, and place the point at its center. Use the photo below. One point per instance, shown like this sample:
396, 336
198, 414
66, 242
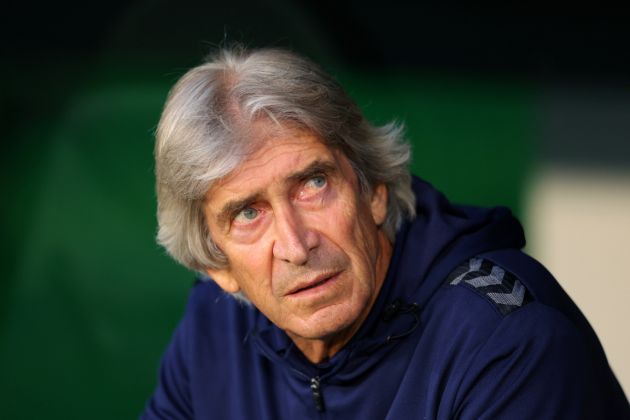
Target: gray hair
200, 140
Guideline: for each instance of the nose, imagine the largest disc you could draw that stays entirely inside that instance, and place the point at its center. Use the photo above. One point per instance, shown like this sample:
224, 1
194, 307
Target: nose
294, 240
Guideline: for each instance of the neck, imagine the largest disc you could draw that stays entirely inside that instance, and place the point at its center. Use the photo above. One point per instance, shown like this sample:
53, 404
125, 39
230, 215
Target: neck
319, 350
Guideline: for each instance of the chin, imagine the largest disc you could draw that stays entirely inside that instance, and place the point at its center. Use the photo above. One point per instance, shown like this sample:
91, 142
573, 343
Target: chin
327, 322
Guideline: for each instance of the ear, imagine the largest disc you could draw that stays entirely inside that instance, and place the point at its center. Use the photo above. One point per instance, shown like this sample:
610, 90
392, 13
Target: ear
224, 278
378, 205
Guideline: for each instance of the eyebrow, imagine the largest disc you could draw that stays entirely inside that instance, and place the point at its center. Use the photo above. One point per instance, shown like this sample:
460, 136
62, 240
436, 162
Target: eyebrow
232, 207
316, 167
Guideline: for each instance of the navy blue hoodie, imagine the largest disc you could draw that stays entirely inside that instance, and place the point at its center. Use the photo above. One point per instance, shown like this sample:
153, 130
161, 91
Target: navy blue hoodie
465, 326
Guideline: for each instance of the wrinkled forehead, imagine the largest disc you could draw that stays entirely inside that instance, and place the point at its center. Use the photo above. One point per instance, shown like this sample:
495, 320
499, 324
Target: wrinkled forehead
266, 132
293, 147
268, 129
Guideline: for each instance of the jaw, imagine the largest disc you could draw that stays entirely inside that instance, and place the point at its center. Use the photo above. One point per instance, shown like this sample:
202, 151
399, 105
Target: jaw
324, 341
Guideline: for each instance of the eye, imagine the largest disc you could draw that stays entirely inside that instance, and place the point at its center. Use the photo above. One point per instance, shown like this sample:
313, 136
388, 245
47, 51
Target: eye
247, 215
318, 181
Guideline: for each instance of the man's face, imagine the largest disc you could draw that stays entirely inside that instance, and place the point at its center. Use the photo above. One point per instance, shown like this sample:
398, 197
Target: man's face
302, 240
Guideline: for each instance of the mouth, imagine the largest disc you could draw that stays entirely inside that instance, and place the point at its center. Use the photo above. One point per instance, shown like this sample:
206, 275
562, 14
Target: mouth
319, 282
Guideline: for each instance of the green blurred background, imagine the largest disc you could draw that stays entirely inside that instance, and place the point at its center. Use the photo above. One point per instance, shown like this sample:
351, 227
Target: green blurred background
87, 299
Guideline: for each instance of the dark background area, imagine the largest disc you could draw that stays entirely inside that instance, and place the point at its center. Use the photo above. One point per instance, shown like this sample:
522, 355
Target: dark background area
88, 301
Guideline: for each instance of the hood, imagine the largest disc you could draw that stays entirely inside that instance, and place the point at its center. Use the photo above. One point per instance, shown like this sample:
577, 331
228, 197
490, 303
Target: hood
426, 250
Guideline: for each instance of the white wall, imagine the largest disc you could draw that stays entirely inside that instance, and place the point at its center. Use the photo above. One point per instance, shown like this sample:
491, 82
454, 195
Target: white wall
578, 226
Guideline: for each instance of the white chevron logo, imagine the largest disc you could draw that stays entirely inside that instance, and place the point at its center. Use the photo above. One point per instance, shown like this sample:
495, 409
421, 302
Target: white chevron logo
500, 287
473, 265
495, 277
515, 298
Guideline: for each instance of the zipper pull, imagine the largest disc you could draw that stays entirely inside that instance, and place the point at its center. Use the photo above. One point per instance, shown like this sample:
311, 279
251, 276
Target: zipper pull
316, 391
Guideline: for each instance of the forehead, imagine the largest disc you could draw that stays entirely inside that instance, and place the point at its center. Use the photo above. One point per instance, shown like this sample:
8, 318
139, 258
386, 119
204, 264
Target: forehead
277, 153
273, 159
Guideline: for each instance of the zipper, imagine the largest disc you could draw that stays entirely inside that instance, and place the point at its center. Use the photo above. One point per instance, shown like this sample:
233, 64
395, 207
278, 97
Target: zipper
316, 392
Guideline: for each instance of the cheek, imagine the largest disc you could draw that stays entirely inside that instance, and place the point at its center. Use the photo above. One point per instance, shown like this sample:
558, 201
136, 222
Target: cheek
352, 229
337, 222
251, 268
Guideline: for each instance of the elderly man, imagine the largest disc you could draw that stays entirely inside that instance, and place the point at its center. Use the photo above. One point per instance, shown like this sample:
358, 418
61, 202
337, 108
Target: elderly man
353, 289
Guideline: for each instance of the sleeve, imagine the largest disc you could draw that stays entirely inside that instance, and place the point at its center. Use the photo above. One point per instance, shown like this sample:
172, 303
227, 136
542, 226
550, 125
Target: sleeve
536, 364
171, 399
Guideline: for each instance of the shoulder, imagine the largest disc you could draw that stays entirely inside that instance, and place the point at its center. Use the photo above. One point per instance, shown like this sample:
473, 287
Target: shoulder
502, 290
475, 298
527, 343
492, 297
488, 312
193, 369
212, 313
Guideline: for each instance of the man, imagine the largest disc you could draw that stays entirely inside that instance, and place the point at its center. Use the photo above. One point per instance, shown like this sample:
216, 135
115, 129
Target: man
353, 289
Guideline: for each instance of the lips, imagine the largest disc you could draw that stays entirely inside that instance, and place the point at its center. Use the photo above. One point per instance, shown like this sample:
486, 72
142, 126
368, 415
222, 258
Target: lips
312, 284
